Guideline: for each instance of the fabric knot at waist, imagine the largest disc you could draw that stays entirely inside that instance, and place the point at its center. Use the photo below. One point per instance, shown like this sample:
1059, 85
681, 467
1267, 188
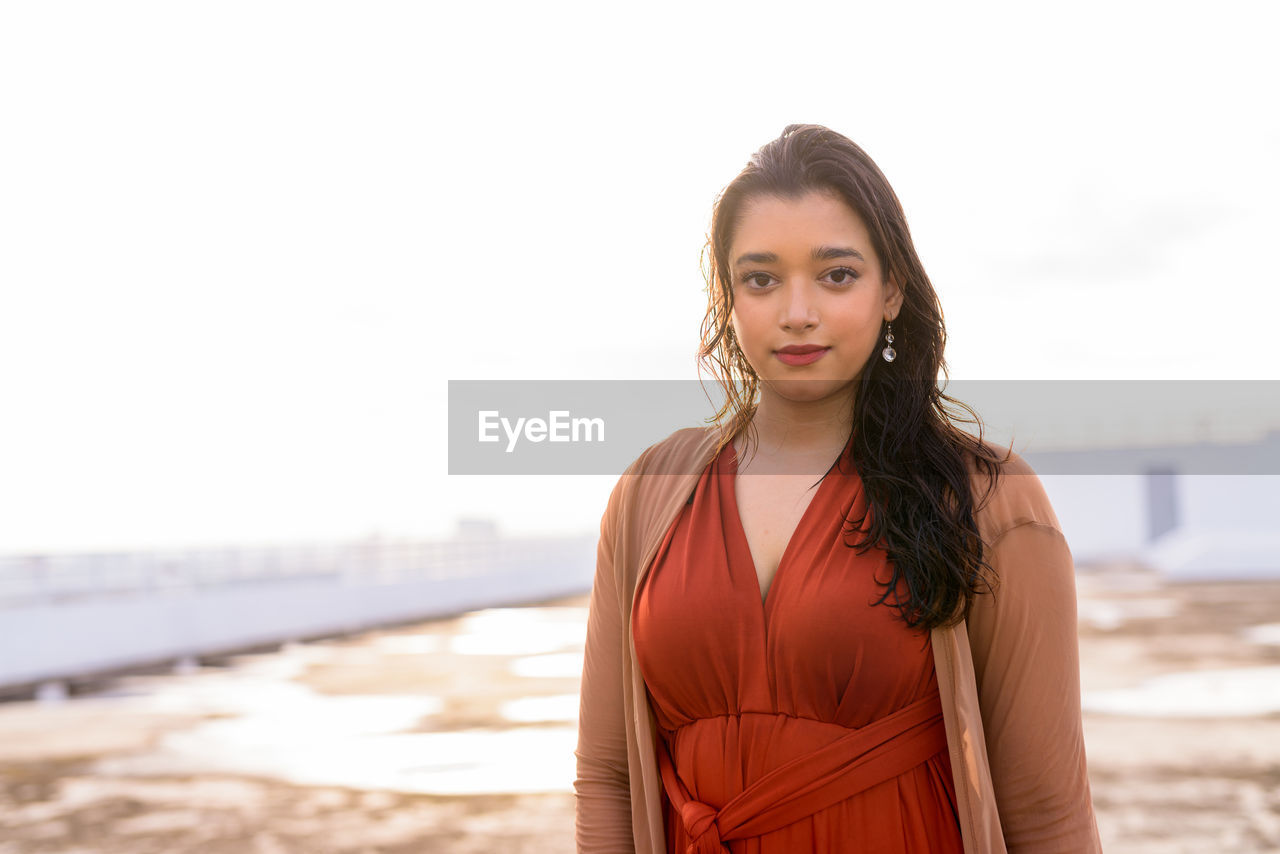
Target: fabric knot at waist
856, 761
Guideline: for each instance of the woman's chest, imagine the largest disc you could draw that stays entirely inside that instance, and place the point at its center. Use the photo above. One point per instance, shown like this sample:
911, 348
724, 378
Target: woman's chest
817, 646
770, 509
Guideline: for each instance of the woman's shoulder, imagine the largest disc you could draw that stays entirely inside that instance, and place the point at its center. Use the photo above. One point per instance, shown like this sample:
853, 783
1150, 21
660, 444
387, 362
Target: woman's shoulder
681, 455
684, 451
1007, 492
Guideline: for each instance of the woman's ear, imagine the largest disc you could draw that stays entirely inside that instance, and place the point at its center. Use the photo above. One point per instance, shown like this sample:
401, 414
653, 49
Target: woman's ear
892, 297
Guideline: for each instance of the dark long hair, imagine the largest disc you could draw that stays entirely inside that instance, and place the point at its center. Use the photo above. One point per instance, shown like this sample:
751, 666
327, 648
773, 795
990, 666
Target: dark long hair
914, 462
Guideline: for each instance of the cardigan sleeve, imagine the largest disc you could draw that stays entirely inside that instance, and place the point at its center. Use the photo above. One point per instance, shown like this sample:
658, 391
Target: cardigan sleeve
1024, 639
602, 789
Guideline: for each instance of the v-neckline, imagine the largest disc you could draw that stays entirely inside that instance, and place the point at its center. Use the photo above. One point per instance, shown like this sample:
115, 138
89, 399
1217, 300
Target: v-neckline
763, 596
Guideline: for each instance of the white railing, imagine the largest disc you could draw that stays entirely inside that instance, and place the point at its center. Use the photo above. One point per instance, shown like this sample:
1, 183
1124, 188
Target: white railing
46, 578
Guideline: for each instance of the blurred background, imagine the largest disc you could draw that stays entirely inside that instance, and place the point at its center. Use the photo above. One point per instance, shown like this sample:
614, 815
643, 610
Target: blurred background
245, 246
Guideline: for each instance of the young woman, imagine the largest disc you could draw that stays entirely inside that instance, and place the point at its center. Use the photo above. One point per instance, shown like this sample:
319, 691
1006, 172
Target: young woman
837, 622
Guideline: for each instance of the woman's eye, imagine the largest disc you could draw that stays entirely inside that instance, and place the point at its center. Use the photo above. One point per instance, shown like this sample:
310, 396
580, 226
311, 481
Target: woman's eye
843, 276
839, 276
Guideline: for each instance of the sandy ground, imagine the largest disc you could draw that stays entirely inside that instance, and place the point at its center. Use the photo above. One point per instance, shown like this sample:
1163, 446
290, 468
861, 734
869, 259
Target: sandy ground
92, 775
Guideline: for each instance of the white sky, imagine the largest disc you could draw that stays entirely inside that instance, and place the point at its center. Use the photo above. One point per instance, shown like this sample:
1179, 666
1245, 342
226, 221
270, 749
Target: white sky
244, 246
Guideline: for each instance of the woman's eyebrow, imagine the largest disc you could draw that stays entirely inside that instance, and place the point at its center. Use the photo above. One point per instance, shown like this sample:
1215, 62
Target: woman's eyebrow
821, 253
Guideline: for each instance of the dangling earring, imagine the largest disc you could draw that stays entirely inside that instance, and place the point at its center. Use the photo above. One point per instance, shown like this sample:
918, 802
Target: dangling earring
888, 352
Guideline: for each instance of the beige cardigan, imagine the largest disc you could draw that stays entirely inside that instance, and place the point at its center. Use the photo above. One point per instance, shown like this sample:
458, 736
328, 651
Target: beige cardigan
1009, 677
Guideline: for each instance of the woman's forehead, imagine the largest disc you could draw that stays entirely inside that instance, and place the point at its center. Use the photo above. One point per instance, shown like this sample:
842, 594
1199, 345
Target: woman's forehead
771, 223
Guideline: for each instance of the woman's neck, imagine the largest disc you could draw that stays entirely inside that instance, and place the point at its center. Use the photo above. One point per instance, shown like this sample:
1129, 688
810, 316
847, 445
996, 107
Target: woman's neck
800, 430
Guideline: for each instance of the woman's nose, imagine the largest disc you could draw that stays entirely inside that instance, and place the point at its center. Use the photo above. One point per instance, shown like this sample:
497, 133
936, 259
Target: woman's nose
799, 309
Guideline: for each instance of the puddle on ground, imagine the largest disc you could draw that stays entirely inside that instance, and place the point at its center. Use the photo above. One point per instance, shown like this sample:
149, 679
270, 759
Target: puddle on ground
1265, 634
1111, 614
1224, 693
267, 723
556, 665
520, 631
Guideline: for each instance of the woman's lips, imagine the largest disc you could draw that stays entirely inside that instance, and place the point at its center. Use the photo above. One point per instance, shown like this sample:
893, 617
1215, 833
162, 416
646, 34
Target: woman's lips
802, 358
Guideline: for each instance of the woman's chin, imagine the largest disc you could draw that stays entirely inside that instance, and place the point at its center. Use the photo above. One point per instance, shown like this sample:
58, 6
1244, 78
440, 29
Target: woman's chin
806, 389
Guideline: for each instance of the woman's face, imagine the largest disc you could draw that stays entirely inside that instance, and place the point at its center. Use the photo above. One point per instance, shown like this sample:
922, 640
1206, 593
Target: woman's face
806, 278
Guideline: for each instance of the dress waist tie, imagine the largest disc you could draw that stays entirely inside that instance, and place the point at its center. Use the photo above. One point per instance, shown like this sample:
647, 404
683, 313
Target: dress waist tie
858, 760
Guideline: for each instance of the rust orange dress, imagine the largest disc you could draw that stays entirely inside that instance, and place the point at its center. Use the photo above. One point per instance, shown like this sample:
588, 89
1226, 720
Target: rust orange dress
808, 720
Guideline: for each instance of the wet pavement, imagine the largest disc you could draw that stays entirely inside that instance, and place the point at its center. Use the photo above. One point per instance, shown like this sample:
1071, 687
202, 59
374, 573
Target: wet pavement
458, 735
